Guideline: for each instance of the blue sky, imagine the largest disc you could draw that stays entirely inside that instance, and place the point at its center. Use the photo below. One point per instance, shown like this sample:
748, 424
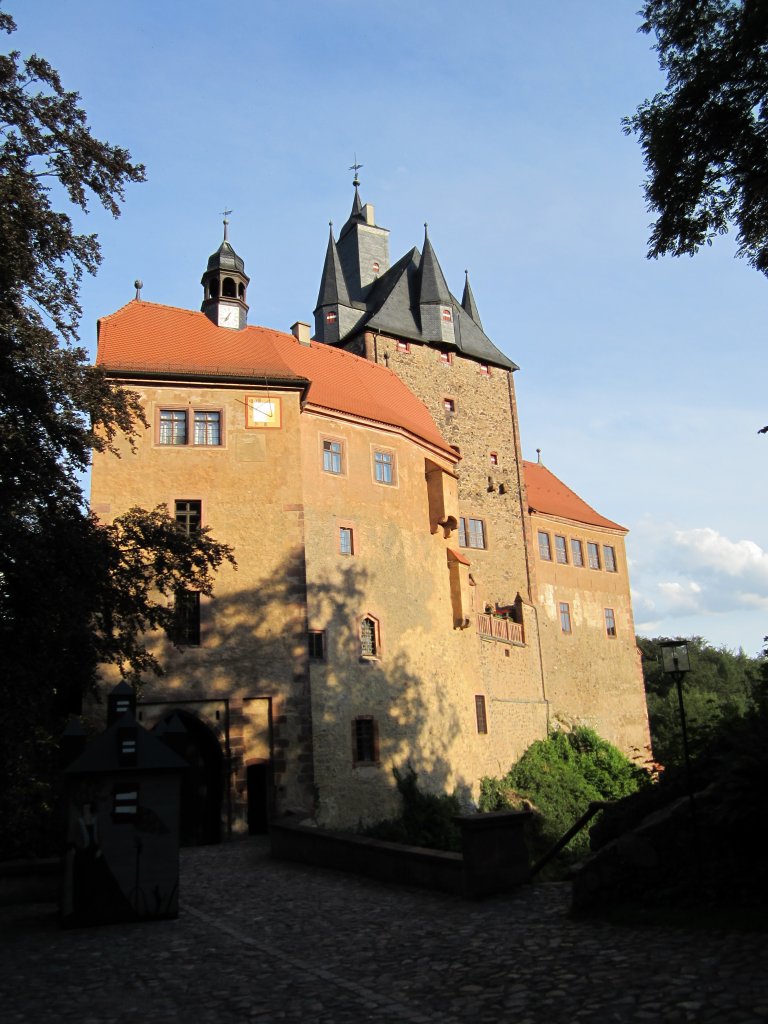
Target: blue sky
643, 382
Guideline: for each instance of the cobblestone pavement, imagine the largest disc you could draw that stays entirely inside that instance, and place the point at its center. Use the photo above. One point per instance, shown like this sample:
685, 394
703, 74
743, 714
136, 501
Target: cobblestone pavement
258, 940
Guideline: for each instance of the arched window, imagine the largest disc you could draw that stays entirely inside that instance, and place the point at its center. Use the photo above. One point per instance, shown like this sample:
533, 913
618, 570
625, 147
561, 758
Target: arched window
228, 289
241, 291
369, 637
213, 288
331, 317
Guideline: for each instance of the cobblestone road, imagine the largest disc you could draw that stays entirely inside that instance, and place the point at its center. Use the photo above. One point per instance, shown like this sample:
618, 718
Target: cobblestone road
265, 941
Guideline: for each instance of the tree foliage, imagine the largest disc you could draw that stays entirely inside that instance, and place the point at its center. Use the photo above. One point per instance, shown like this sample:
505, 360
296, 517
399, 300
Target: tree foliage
705, 137
721, 687
560, 777
73, 592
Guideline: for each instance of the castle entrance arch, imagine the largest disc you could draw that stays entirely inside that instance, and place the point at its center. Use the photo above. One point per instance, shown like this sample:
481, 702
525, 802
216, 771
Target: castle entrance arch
202, 784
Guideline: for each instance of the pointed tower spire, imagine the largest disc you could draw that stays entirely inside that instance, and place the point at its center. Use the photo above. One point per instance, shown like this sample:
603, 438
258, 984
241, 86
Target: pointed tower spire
433, 286
357, 206
333, 287
332, 295
468, 301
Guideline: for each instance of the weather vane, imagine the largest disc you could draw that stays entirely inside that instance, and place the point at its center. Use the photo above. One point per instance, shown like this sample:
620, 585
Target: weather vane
356, 167
225, 213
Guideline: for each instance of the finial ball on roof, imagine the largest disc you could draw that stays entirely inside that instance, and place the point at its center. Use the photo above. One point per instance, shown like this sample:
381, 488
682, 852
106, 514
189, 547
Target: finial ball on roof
138, 284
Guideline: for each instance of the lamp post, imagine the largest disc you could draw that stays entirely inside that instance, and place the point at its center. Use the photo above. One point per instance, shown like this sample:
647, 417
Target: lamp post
675, 663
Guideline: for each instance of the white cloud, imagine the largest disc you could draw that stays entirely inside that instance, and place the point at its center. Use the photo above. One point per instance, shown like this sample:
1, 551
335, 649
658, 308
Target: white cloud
698, 581
711, 550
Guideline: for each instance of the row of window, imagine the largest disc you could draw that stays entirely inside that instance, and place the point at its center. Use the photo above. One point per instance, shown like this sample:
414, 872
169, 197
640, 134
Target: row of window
384, 462
178, 426
566, 624
573, 554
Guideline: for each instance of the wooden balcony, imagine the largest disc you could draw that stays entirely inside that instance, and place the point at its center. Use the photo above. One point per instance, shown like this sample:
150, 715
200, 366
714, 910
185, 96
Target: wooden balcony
494, 627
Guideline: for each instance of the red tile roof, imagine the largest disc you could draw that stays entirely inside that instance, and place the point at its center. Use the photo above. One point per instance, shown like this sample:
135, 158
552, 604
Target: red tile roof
144, 337
550, 496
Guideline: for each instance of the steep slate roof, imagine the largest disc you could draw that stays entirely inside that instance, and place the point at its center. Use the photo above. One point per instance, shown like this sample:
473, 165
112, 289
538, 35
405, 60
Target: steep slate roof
333, 287
550, 496
468, 303
394, 300
147, 339
432, 283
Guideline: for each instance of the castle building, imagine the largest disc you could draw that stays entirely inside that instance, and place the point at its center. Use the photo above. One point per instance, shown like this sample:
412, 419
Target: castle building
408, 589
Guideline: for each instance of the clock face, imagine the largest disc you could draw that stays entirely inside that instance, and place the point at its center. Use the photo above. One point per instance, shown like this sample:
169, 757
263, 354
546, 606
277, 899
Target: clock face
229, 316
262, 412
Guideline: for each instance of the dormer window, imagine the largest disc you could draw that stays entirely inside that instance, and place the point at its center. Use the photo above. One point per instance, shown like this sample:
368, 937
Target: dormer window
331, 317
447, 316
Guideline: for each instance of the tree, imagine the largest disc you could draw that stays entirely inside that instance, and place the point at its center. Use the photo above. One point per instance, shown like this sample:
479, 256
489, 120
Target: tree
705, 137
73, 592
720, 688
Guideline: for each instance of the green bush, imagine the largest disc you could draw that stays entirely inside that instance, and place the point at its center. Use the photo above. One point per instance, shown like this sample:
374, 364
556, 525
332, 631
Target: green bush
560, 777
427, 819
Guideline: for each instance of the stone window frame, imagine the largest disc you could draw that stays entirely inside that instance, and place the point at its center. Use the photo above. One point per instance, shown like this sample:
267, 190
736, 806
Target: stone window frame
188, 513
593, 555
346, 532
445, 356
561, 549
449, 405
472, 528
577, 553
566, 622
188, 415
366, 751
545, 545
369, 634
316, 644
329, 439
481, 715
610, 623
493, 458
403, 346
609, 558
379, 465
484, 370
186, 618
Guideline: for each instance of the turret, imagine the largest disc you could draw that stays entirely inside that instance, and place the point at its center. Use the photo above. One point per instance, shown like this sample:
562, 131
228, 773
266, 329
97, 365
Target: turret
225, 284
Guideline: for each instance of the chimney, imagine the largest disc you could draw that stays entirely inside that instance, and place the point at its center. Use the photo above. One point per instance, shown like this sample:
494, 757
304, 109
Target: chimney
368, 214
300, 331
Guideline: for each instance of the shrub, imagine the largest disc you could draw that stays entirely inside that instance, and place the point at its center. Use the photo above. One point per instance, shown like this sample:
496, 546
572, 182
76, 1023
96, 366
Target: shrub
427, 819
561, 776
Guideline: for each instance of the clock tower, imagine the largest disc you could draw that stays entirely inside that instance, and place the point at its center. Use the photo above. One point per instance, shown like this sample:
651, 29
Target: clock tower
225, 283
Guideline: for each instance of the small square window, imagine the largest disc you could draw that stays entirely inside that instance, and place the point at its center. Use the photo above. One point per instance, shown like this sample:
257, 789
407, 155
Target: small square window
384, 467
593, 554
316, 644
331, 317
365, 740
609, 558
447, 315
577, 553
610, 622
545, 546
333, 456
494, 459
449, 405
403, 346
565, 617
346, 540
446, 357
471, 533
188, 516
208, 428
485, 370
561, 551
482, 720
173, 426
